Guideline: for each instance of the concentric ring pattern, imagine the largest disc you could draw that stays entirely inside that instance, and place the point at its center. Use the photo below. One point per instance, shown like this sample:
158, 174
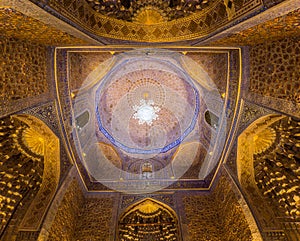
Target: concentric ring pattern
146, 106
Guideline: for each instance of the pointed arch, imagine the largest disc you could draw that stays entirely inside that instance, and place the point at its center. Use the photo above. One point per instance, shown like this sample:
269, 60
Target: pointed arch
40, 139
247, 143
148, 220
267, 164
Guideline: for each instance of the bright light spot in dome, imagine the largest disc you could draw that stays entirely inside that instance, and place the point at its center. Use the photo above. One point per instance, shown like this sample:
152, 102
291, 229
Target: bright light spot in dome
146, 112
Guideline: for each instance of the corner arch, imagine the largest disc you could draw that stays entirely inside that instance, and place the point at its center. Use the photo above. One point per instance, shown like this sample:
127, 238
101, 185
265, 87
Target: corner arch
267, 166
247, 144
40, 139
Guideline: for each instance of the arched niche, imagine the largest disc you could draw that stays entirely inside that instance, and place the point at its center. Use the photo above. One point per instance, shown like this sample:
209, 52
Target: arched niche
148, 220
38, 138
268, 161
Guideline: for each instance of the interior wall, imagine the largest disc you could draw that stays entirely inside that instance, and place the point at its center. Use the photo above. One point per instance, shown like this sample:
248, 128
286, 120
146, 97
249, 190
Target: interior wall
21, 176
30, 170
274, 82
66, 214
275, 74
268, 163
217, 215
95, 219
25, 74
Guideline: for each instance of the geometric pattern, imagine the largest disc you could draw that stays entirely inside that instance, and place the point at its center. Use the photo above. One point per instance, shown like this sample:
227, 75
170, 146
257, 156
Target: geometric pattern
80, 14
116, 101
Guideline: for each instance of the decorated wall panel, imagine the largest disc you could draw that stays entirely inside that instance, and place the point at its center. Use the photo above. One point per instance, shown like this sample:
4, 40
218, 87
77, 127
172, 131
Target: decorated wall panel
152, 12
275, 82
39, 139
277, 173
249, 113
24, 74
63, 224
148, 220
30, 171
278, 76
48, 114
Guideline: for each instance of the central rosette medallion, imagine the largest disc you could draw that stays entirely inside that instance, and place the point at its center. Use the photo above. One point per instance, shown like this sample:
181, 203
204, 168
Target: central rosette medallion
146, 112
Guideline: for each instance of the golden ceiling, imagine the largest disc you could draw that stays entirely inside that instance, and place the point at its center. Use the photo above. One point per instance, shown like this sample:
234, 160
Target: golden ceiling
100, 96
149, 24
267, 148
168, 10
18, 25
144, 28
